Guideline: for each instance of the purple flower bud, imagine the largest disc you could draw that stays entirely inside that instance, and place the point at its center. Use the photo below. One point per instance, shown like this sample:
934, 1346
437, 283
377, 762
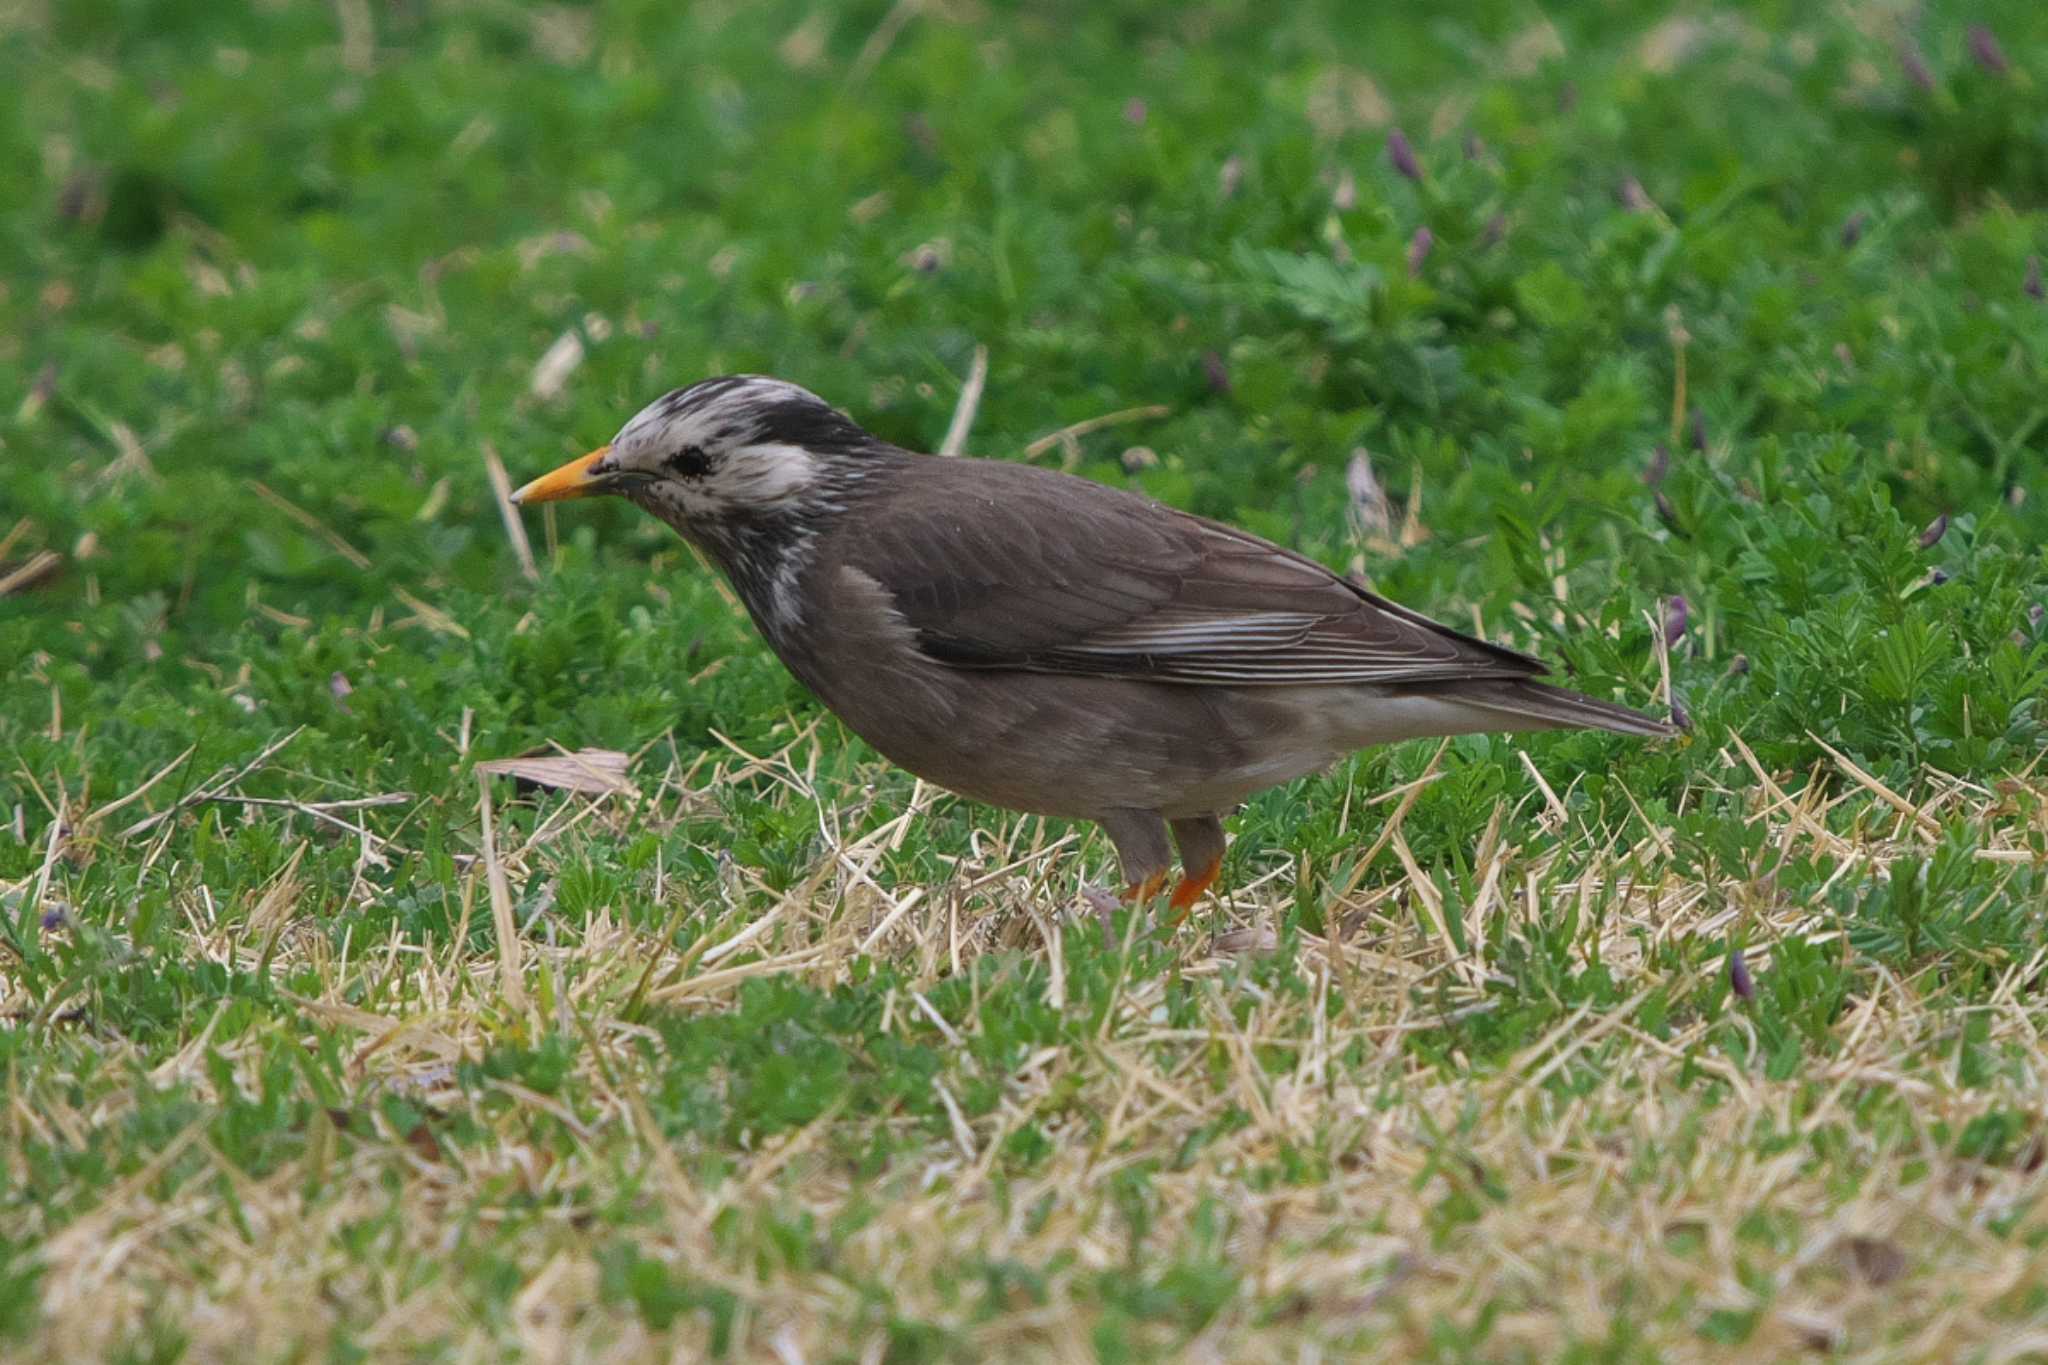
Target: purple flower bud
1681, 715
1402, 155
1418, 251
1936, 577
75, 199
1738, 975
1660, 465
2035, 615
1852, 228
1676, 614
2031, 284
53, 919
1936, 529
1915, 65
1665, 510
1214, 374
1984, 47
1633, 196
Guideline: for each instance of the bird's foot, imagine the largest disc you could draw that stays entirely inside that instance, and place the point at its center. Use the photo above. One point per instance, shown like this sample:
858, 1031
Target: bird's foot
1191, 888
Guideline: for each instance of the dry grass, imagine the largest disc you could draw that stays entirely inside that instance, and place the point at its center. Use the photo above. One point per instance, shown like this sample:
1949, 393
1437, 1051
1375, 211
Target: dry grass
1602, 1165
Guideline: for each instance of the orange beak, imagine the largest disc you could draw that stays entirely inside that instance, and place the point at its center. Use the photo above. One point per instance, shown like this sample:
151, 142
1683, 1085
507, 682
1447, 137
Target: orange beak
572, 480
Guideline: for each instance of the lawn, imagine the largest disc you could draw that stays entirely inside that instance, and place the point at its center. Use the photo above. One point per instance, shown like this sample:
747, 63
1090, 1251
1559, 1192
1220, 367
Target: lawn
1699, 349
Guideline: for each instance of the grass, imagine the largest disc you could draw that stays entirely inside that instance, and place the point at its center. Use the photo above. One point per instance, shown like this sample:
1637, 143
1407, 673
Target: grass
325, 1045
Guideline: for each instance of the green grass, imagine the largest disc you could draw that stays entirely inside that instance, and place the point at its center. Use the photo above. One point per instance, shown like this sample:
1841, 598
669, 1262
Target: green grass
788, 1054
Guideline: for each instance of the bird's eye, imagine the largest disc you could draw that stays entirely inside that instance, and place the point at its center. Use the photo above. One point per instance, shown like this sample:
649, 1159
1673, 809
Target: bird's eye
690, 462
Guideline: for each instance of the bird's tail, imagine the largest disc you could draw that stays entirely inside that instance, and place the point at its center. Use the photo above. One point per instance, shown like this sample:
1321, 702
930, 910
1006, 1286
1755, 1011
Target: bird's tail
1541, 706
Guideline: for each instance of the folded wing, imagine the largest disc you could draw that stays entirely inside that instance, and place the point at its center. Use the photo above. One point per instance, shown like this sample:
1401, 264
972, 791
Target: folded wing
1004, 566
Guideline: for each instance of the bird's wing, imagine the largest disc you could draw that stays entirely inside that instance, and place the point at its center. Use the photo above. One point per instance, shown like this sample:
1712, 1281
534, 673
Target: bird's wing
997, 565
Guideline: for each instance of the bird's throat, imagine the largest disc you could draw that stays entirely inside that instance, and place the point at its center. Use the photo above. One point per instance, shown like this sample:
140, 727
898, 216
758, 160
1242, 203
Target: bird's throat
765, 560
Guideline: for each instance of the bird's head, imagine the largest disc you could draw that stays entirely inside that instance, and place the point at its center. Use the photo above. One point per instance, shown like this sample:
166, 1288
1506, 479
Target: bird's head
721, 456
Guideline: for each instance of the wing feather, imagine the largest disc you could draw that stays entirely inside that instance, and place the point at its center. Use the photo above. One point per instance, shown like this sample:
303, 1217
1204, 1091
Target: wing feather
997, 565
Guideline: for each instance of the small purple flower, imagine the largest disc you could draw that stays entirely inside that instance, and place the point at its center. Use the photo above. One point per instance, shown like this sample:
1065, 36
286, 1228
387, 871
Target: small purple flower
76, 199
1660, 465
1681, 714
1852, 228
1677, 613
1418, 251
2036, 614
53, 919
1936, 529
1738, 975
1214, 373
1984, 47
1915, 66
1633, 196
1402, 155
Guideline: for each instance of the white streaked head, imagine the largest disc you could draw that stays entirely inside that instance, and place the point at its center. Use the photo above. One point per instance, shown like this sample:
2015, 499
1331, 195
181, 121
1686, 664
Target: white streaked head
746, 467
739, 447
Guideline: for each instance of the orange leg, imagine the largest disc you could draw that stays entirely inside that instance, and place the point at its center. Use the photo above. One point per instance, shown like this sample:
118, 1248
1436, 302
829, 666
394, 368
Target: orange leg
1200, 840
1192, 885
1147, 891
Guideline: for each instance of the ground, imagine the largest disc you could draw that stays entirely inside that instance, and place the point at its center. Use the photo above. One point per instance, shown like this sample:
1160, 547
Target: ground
1697, 349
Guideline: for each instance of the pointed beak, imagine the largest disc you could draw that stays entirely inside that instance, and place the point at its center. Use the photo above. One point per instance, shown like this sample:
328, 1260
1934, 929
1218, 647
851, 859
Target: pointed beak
573, 480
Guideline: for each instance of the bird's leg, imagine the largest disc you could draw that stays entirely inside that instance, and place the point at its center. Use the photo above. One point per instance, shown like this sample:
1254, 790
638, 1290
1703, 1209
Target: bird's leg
1147, 891
1142, 849
1200, 840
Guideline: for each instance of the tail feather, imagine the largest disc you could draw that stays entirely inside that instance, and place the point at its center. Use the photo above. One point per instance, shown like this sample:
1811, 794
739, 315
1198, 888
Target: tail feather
1556, 708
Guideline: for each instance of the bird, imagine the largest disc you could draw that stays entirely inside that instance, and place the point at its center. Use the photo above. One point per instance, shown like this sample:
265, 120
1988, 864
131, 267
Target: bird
1041, 642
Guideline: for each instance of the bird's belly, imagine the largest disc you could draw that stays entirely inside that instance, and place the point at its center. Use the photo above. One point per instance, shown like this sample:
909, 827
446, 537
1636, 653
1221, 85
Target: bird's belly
1078, 746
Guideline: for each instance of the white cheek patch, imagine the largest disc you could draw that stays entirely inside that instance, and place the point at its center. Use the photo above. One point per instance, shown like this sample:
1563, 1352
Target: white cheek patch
762, 475
753, 478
